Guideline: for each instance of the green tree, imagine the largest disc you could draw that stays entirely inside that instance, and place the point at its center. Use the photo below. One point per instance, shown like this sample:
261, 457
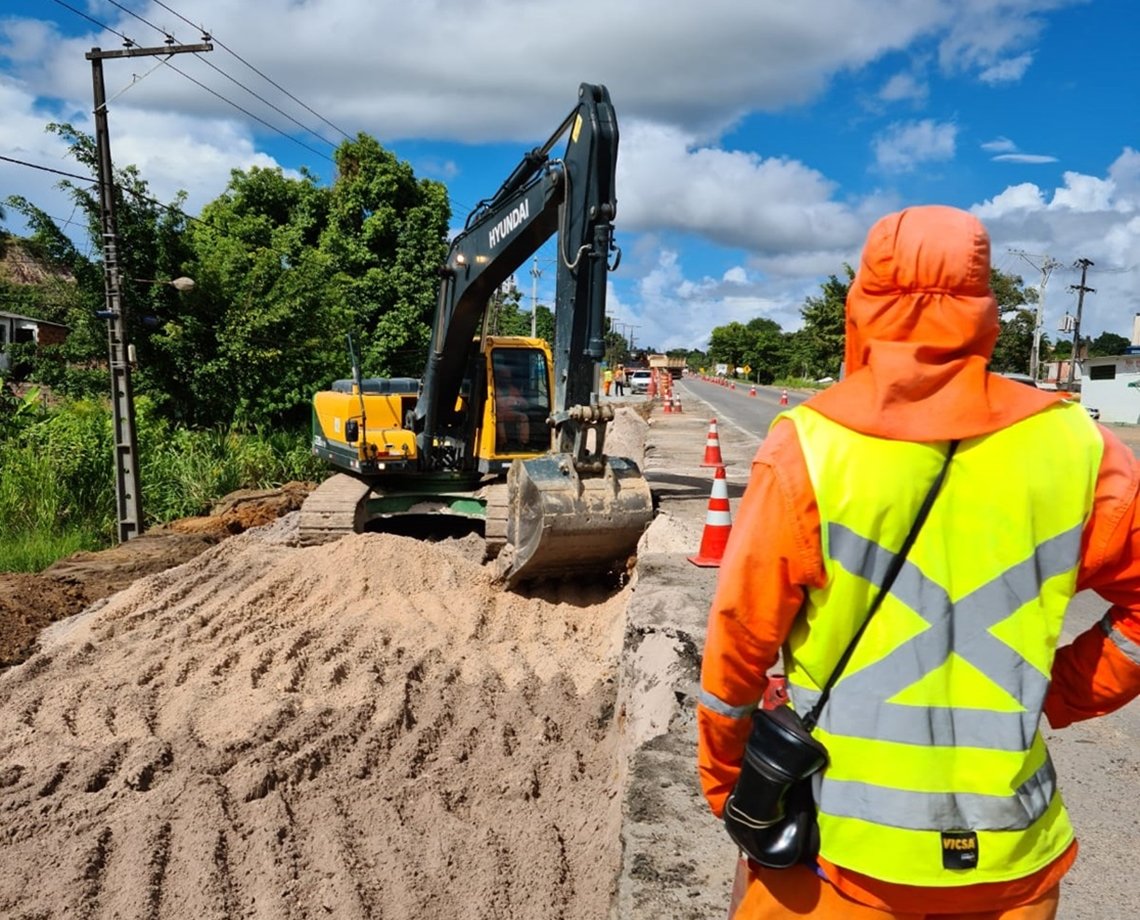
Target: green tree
1017, 316
1108, 343
817, 347
730, 344
768, 352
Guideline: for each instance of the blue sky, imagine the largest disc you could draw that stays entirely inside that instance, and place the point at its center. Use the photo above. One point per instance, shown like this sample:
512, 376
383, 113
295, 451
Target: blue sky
758, 141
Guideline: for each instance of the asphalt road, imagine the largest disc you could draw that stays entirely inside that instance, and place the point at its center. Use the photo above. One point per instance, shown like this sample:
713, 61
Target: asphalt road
1098, 761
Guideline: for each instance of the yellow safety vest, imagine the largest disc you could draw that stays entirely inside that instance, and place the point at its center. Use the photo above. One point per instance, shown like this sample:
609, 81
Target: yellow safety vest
938, 775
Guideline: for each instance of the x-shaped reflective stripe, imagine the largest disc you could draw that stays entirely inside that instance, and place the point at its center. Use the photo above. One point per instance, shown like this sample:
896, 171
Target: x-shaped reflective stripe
860, 707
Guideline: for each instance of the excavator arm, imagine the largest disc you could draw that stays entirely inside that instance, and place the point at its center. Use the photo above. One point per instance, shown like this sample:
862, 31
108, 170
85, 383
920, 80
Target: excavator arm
571, 196
571, 510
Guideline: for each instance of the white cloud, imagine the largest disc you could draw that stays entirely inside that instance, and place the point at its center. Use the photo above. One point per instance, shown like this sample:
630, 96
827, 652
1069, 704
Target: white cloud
999, 145
1007, 71
904, 87
903, 146
1087, 217
735, 198
990, 37
671, 311
447, 70
1024, 158
1025, 196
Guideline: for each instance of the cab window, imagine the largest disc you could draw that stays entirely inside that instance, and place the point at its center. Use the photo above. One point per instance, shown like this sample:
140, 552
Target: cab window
522, 400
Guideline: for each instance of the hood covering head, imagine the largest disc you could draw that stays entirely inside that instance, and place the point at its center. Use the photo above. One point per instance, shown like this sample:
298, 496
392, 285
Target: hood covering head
921, 326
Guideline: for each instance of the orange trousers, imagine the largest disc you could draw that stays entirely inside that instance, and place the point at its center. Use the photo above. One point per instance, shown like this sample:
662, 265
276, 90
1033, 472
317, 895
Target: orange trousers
785, 894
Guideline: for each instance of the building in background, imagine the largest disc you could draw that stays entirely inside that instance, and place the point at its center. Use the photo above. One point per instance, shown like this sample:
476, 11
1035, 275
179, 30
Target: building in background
16, 329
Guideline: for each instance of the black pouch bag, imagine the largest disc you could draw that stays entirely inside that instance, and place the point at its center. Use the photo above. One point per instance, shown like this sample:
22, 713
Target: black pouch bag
770, 813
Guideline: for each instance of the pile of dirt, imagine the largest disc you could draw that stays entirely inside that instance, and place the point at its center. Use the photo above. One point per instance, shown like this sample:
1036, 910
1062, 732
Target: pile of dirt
363, 729
29, 602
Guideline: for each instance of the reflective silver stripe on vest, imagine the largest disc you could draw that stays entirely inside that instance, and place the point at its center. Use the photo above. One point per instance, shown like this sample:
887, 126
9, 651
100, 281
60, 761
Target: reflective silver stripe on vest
720, 707
1130, 649
859, 706
923, 811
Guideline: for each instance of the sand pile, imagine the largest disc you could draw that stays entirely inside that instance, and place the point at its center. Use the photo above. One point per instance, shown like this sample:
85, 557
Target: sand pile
366, 729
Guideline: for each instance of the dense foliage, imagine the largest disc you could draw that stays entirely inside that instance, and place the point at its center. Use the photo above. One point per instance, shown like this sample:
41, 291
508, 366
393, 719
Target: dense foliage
283, 269
815, 350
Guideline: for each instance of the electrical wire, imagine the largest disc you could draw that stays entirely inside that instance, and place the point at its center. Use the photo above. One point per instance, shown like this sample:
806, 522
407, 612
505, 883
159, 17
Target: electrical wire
170, 39
129, 42
247, 112
263, 76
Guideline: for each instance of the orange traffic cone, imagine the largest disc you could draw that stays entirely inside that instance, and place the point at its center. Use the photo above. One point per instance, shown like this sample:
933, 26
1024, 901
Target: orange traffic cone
718, 524
783, 397
668, 402
752, 392
712, 447
677, 404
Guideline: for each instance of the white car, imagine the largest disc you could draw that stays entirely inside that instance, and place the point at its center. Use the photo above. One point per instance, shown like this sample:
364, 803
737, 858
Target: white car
638, 381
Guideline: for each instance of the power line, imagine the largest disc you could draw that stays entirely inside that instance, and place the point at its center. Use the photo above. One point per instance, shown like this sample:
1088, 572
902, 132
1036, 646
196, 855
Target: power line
96, 22
129, 42
170, 38
245, 111
263, 76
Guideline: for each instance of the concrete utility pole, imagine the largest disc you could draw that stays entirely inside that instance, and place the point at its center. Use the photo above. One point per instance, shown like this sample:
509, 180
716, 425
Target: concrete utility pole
535, 273
1080, 289
128, 488
1048, 263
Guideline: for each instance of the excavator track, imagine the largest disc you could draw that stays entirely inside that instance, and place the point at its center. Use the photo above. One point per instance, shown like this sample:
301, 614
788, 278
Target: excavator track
334, 509
495, 526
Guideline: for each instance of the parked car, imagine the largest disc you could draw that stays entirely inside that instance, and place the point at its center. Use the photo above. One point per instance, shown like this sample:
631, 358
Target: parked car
638, 380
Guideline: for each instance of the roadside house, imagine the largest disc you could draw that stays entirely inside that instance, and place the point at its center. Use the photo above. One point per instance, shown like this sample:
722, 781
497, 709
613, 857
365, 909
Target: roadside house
16, 329
1112, 385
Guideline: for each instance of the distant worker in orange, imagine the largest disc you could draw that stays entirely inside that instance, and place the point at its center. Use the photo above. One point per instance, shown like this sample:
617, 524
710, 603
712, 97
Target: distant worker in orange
937, 796
619, 380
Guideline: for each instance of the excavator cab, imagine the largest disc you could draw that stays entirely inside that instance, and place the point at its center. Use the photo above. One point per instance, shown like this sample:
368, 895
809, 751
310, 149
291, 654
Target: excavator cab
520, 407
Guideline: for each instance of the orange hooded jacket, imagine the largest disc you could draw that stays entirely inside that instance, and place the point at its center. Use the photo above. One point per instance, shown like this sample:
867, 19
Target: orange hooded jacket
921, 325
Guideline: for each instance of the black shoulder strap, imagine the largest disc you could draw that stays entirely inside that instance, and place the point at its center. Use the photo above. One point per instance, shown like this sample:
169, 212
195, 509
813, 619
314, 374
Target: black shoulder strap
893, 570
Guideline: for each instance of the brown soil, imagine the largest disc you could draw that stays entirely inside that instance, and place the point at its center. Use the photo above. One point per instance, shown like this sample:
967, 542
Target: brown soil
365, 729
28, 603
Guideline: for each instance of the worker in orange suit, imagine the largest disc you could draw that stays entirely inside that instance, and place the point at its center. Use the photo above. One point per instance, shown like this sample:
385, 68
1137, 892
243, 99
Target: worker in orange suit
938, 798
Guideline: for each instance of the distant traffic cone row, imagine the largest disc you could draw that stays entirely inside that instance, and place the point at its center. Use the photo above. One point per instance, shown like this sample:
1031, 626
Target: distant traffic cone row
712, 447
718, 524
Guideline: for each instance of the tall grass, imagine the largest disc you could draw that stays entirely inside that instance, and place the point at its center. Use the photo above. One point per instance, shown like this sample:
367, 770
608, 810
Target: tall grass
57, 477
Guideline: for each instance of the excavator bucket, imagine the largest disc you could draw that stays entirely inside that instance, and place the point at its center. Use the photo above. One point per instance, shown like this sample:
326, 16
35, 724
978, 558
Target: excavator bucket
563, 521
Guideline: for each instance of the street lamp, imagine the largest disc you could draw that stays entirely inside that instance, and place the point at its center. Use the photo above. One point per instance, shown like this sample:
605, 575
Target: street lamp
182, 285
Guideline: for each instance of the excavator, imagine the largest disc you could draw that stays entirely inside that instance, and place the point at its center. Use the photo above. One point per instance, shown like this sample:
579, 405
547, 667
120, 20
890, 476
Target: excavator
502, 429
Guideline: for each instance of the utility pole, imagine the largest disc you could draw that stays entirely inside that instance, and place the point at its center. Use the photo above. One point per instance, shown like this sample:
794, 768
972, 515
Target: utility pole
1081, 289
128, 487
535, 273
1048, 263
